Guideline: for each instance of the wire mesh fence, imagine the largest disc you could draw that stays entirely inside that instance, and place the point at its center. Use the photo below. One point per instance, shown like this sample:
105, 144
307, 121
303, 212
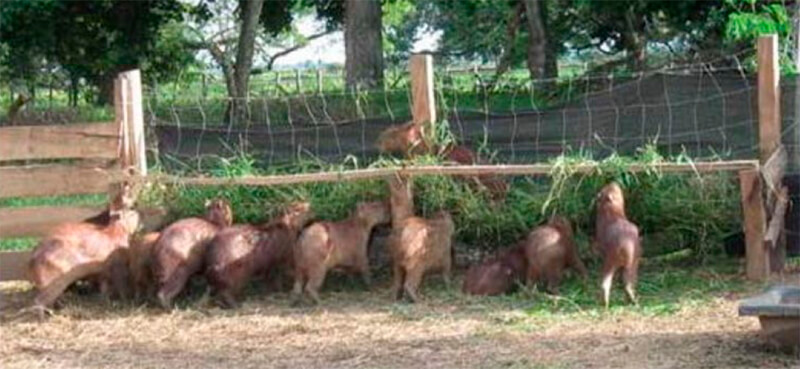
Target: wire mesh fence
702, 111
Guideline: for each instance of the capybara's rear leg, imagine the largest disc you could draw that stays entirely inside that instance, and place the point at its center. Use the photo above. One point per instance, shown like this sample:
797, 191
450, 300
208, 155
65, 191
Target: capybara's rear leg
629, 276
227, 299
412, 282
606, 281
447, 272
397, 282
553, 281
316, 278
297, 289
171, 288
532, 275
363, 268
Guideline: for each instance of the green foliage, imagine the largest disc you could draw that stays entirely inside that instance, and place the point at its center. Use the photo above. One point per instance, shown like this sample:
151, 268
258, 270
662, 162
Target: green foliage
686, 211
752, 19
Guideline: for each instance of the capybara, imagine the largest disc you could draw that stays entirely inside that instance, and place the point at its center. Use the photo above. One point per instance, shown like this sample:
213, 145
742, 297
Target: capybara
401, 199
180, 250
549, 249
140, 260
75, 251
239, 252
336, 245
409, 140
419, 246
617, 241
497, 275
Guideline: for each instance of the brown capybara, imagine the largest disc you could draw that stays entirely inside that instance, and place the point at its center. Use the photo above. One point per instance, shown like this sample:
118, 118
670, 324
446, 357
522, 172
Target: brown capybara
409, 140
549, 249
336, 245
180, 250
419, 246
617, 241
497, 275
75, 251
238, 253
140, 260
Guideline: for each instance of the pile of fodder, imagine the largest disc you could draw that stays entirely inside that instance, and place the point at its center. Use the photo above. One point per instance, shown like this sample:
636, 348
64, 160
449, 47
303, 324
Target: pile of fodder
675, 211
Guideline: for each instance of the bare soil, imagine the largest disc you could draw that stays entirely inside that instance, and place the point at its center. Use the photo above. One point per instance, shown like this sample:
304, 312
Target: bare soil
354, 328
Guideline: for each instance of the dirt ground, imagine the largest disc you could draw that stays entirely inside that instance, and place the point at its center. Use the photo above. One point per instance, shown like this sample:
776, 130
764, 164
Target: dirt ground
358, 329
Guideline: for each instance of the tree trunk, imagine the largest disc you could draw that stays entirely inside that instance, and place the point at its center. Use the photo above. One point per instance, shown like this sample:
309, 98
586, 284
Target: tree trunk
794, 162
537, 39
633, 40
105, 84
250, 12
363, 43
511, 36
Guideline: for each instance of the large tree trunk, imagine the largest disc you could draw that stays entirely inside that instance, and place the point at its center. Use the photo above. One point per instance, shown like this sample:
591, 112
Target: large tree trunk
363, 43
250, 12
511, 37
634, 41
537, 39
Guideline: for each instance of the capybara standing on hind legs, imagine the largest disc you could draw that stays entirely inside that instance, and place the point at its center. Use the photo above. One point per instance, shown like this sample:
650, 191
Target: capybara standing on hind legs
420, 246
238, 253
617, 240
417, 245
75, 251
327, 245
180, 250
549, 249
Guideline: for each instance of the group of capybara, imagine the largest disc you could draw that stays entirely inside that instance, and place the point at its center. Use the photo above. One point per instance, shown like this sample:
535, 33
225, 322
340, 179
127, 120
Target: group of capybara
157, 266
106, 251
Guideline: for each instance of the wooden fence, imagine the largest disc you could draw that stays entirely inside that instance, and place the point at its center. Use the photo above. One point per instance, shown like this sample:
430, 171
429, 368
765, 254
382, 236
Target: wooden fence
72, 159
764, 199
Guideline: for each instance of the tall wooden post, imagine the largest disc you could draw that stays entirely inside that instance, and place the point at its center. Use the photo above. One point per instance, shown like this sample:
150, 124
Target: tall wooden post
769, 96
129, 117
423, 105
769, 130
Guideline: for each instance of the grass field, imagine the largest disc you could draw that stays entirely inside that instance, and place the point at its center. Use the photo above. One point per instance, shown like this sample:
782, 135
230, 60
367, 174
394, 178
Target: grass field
686, 319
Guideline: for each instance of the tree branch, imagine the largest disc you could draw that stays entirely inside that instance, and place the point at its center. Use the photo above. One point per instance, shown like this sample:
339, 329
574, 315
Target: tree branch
294, 48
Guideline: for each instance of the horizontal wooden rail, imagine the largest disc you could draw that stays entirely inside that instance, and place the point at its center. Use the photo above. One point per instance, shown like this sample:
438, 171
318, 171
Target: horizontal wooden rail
87, 140
456, 170
37, 221
49, 180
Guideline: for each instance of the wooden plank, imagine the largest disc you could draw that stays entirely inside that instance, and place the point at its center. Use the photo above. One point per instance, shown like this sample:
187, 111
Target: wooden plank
772, 171
14, 265
456, 170
37, 221
87, 140
423, 105
47, 180
769, 96
776, 220
754, 219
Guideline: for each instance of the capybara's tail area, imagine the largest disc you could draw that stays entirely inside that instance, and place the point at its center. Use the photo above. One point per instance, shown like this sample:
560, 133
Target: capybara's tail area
48, 295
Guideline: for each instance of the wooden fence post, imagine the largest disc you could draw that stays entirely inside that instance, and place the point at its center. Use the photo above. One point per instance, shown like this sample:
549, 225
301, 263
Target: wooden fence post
769, 96
130, 120
757, 267
769, 130
423, 108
